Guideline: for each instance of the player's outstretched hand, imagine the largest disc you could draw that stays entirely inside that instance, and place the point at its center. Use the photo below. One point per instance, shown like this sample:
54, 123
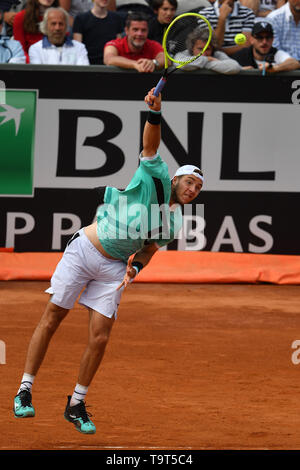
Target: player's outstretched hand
129, 276
153, 102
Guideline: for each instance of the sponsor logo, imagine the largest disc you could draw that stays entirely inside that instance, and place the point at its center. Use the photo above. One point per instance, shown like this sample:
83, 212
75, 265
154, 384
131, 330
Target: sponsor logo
17, 128
11, 114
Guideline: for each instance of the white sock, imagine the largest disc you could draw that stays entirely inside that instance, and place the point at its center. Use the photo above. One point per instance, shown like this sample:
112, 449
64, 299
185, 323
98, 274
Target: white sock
79, 394
26, 382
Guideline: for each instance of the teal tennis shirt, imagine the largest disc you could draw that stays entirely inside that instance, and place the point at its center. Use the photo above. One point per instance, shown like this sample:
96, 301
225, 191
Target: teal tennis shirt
140, 214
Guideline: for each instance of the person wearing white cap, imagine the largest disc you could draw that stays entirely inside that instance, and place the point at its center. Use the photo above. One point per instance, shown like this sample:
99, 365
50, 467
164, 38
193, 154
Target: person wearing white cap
189, 170
102, 258
180, 190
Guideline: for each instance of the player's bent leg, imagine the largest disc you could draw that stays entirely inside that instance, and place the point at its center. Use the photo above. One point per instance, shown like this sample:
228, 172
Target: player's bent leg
38, 346
99, 332
48, 324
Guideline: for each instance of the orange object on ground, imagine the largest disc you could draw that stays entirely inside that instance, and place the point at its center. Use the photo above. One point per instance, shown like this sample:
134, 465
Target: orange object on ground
173, 267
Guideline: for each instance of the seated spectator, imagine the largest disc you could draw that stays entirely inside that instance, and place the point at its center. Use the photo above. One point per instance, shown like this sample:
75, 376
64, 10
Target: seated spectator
124, 7
10, 9
262, 8
11, 51
57, 47
135, 50
252, 4
75, 7
212, 58
26, 23
262, 55
193, 6
96, 27
286, 25
164, 13
228, 18
266, 7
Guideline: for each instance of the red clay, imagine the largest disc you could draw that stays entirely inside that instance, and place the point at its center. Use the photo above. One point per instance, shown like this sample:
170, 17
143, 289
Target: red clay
187, 367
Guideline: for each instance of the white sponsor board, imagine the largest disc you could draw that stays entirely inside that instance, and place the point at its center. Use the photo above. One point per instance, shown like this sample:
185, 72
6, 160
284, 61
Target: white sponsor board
269, 142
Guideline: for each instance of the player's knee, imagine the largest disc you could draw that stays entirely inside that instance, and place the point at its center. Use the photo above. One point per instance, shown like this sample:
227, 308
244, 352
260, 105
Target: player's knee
98, 340
53, 317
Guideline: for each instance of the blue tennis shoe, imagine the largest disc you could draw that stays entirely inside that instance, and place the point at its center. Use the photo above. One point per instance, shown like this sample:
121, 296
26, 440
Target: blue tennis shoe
79, 417
22, 405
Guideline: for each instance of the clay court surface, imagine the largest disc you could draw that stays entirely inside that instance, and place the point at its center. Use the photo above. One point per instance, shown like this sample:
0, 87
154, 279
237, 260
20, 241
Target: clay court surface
187, 367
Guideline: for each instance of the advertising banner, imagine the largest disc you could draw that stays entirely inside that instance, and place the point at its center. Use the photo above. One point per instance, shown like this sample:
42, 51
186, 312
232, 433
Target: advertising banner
58, 144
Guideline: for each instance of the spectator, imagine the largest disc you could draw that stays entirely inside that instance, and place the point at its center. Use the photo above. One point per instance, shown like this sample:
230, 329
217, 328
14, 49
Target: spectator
11, 51
262, 55
112, 5
135, 50
96, 27
186, 6
262, 8
164, 13
252, 4
26, 23
228, 18
267, 6
57, 47
124, 7
212, 58
75, 7
10, 9
286, 25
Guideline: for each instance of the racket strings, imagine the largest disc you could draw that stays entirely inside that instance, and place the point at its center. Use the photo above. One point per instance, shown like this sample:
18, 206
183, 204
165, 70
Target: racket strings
178, 44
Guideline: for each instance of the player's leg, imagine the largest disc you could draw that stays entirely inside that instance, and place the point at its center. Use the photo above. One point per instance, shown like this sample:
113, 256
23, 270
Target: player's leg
42, 335
66, 285
48, 324
99, 331
100, 295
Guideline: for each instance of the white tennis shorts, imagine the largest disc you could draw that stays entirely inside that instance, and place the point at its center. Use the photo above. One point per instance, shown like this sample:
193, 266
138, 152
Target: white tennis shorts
84, 267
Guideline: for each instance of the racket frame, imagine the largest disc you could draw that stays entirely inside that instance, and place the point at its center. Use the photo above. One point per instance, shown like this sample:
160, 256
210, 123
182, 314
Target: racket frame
170, 69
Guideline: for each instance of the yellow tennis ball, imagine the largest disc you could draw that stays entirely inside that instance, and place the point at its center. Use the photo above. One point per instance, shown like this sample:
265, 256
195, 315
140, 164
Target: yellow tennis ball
240, 39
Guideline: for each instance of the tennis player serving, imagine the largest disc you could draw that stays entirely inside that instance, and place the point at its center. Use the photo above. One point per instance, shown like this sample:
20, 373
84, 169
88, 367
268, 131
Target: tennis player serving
104, 257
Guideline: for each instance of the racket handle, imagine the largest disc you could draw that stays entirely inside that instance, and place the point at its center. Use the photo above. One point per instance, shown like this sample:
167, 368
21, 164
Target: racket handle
159, 86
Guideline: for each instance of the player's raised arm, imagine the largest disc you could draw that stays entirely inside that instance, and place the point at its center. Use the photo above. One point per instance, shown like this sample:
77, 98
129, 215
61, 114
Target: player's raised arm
152, 131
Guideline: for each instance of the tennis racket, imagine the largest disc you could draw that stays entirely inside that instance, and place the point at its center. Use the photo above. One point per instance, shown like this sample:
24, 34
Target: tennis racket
176, 41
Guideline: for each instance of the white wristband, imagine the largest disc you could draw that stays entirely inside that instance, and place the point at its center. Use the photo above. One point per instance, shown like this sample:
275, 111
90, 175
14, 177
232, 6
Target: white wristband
136, 268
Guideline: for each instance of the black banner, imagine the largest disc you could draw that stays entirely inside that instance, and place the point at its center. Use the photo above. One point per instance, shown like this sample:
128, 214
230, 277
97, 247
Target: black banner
234, 222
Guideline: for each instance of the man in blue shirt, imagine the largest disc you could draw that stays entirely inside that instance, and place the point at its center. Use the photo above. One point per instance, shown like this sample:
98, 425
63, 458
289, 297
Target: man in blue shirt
56, 47
11, 51
286, 26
